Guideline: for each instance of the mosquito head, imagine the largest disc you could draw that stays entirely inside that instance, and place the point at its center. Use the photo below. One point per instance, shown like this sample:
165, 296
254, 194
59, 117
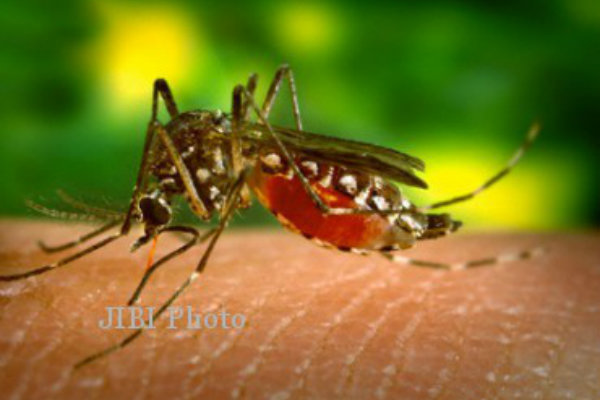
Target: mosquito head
155, 211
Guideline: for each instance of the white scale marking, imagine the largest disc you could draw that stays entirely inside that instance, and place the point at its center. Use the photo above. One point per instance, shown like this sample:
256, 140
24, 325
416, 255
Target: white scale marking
312, 167
326, 180
272, 160
349, 184
202, 174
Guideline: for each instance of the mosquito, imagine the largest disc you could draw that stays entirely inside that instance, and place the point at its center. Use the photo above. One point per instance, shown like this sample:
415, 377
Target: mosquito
339, 193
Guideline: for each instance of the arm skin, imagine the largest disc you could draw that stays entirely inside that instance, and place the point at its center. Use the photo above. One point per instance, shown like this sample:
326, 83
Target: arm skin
320, 323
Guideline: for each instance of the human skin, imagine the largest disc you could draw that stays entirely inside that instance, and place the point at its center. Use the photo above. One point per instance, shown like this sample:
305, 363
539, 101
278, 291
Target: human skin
320, 323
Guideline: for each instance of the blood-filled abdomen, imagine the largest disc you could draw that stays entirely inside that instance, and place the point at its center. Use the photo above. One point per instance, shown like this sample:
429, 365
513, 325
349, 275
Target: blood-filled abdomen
282, 192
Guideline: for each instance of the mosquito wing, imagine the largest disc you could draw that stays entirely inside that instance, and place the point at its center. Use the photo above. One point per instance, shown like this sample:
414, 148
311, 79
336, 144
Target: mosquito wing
377, 160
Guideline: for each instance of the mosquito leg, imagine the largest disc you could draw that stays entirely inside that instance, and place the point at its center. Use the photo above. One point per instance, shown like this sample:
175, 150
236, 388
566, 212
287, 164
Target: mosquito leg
160, 88
251, 88
81, 239
195, 201
239, 112
230, 207
237, 116
283, 72
503, 258
62, 262
531, 135
195, 239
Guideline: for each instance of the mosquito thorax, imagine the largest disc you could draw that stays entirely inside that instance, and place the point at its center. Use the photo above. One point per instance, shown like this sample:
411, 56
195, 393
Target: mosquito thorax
202, 141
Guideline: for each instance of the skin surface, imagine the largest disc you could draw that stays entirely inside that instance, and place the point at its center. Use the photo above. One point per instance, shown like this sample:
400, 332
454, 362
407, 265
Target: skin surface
320, 323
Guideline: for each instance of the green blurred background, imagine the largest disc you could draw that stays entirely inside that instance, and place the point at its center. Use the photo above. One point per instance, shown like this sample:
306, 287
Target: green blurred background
454, 83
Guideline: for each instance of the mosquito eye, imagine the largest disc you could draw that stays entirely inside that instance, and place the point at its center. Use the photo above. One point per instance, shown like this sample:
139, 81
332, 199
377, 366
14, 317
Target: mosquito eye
155, 211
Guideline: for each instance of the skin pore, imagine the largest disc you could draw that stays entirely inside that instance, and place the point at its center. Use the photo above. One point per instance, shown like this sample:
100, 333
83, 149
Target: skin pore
319, 323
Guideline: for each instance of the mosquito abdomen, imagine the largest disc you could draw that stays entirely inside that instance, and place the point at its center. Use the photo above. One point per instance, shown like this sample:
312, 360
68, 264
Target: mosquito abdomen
278, 189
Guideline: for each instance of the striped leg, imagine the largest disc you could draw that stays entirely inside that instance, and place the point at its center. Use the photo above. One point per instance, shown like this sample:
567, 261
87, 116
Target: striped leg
195, 201
79, 240
251, 88
531, 135
500, 259
240, 111
195, 239
62, 262
230, 206
161, 88
283, 72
